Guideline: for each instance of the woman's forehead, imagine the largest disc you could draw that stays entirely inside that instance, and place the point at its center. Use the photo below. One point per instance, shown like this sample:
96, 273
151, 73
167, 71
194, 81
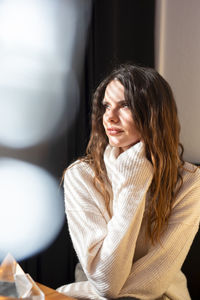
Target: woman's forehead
114, 89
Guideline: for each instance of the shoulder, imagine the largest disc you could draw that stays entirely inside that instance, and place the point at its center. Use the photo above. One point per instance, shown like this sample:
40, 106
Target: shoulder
79, 169
80, 191
187, 203
79, 177
191, 176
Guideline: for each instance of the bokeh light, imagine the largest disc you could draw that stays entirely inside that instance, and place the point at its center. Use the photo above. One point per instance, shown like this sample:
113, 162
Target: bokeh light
31, 117
42, 45
41, 56
31, 209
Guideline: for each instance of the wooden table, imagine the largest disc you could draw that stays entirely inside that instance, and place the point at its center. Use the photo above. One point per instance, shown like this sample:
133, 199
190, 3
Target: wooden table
52, 294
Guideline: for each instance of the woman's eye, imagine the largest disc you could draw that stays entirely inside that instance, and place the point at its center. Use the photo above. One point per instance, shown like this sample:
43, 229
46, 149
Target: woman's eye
125, 105
105, 105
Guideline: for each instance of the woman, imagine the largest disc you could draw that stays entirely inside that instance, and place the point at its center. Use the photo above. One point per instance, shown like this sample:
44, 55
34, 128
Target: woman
132, 203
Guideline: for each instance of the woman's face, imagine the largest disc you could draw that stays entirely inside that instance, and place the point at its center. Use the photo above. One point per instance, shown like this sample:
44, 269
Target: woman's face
117, 118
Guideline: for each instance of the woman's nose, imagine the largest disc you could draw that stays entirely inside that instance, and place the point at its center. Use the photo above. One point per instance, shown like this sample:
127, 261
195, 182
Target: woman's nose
112, 116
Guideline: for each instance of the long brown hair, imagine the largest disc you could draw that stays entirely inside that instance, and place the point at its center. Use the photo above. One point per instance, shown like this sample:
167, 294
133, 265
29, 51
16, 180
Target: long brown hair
155, 114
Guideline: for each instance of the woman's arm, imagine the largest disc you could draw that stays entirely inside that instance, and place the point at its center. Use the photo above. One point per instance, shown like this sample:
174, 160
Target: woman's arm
106, 248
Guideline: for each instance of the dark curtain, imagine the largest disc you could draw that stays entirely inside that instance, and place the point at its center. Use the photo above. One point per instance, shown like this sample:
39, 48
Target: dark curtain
120, 31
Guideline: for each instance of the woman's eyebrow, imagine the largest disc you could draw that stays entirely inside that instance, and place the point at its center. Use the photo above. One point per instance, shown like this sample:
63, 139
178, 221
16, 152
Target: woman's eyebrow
123, 101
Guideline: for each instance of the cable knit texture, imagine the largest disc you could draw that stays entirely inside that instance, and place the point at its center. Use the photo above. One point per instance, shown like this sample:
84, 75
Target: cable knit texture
115, 255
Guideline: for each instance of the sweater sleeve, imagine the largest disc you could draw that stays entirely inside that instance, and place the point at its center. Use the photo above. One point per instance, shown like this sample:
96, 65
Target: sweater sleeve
106, 248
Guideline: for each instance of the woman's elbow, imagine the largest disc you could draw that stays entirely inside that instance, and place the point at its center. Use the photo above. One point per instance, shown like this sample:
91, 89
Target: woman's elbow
107, 291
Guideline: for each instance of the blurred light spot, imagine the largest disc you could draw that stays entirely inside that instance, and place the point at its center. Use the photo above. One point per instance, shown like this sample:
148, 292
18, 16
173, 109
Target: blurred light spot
30, 117
41, 57
31, 209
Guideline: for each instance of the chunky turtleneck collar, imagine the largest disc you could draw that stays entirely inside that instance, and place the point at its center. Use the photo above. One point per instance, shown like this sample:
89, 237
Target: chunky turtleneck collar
113, 159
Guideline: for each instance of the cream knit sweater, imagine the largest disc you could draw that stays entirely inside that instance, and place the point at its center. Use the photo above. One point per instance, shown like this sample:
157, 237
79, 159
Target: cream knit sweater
113, 251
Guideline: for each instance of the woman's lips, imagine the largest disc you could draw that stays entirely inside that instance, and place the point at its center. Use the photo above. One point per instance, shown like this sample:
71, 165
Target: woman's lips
114, 131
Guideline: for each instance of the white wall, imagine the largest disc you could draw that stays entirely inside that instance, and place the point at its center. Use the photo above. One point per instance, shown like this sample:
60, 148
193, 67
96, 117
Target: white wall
178, 61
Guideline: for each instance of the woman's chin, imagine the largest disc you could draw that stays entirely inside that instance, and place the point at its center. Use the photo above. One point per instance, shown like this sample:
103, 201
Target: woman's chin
114, 144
